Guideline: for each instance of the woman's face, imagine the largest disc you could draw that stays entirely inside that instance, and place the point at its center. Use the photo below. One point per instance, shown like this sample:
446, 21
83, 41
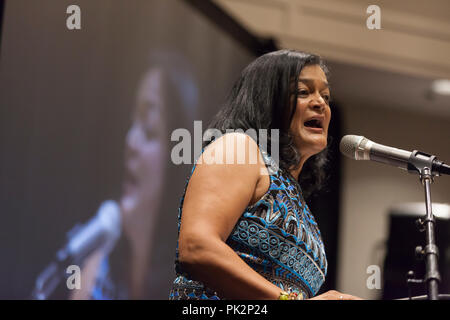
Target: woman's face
312, 116
145, 150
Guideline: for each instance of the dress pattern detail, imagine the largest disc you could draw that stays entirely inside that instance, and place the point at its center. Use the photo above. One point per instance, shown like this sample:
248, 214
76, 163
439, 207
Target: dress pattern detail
277, 236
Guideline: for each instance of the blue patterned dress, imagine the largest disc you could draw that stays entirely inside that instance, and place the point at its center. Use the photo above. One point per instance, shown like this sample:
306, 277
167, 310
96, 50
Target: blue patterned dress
277, 236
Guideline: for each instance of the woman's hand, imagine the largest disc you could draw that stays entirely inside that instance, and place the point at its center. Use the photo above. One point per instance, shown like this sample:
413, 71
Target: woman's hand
335, 295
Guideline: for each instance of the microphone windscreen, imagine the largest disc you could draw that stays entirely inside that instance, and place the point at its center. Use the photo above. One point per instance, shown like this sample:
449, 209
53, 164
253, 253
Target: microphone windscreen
109, 216
348, 145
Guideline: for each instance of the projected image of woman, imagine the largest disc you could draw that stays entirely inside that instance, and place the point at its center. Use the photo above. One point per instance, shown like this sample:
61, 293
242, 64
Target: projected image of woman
166, 99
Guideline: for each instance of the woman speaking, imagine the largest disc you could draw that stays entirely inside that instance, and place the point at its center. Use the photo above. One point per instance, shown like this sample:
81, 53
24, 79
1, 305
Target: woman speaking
245, 230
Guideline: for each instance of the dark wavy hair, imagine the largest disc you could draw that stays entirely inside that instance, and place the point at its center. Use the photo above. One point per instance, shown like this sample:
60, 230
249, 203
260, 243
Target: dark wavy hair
260, 99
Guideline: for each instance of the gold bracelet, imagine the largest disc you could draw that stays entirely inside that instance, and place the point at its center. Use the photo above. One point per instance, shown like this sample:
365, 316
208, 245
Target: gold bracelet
290, 295
283, 295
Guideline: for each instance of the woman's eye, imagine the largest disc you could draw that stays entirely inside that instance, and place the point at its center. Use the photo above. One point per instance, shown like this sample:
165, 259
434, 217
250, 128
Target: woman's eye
303, 92
150, 133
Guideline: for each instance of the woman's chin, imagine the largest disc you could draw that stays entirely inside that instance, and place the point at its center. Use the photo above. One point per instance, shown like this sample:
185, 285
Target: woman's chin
128, 204
321, 146
313, 146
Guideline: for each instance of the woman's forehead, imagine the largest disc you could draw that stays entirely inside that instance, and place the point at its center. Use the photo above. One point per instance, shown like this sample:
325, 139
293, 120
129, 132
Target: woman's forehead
314, 81
150, 86
313, 74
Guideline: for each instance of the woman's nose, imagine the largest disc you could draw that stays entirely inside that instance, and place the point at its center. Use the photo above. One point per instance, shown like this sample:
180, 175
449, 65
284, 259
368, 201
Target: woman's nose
132, 139
318, 102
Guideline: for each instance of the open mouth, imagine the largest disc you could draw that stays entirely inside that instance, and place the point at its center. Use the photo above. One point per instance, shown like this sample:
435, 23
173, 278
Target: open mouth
129, 178
314, 124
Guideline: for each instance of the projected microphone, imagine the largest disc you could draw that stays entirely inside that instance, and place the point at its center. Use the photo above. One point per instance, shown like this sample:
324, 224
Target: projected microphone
361, 148
101, 232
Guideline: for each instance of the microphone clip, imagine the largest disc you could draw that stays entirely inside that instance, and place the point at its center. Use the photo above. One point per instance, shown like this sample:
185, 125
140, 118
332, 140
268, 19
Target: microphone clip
420, 161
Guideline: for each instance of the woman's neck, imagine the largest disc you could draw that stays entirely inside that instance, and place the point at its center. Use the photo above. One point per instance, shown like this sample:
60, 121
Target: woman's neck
296, 172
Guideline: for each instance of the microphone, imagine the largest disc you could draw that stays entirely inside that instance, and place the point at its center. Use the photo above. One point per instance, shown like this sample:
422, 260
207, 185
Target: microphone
361, 148
102, 231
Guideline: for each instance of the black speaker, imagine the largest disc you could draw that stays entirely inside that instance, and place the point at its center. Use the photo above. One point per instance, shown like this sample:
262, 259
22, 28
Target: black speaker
404, 237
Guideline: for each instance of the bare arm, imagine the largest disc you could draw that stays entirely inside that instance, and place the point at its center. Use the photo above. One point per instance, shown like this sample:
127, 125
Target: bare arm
216, 196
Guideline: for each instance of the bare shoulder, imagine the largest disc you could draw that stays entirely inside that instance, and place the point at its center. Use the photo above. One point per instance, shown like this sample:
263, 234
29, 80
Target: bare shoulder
232, 164
235, 149
225, 181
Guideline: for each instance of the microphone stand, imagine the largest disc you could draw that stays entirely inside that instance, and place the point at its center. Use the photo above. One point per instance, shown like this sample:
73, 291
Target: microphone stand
47, 282
430, 253
49, 279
